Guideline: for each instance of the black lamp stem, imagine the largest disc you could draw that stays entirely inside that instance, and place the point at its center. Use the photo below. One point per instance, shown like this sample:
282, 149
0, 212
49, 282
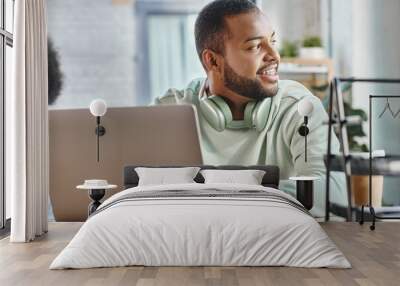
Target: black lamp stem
305, 137
98, 136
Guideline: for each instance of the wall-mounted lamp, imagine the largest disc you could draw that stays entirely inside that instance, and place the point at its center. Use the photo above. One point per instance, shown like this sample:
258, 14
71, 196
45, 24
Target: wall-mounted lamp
98, 108
305, 108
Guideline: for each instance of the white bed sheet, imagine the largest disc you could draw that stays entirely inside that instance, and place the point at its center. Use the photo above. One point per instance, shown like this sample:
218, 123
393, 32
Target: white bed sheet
200, 231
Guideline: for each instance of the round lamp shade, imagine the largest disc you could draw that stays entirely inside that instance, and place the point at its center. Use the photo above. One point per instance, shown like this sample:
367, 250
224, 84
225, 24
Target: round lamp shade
305, 107
98, 107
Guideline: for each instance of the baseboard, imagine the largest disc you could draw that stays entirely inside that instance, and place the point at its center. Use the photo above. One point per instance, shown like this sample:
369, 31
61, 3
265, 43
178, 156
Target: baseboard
5, 231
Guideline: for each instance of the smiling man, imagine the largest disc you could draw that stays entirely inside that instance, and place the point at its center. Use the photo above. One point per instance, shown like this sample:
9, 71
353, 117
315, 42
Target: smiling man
246, 114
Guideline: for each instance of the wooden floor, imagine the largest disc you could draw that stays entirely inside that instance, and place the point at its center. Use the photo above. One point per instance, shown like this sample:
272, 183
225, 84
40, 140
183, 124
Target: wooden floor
375, 257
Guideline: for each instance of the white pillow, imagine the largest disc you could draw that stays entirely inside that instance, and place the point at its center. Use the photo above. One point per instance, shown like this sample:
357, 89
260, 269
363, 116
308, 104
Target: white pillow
248, 177
163, 176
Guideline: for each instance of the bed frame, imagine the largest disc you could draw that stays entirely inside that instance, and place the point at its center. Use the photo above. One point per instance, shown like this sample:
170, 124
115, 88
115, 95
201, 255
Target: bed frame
270, 179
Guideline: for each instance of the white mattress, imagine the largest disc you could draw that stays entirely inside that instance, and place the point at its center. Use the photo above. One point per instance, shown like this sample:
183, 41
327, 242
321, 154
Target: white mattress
200, 231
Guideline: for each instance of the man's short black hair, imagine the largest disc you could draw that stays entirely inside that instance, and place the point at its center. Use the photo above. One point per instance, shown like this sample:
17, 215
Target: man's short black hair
210, 29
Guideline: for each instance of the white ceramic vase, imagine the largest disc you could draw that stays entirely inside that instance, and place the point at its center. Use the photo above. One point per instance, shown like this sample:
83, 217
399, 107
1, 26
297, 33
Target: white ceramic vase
312, 53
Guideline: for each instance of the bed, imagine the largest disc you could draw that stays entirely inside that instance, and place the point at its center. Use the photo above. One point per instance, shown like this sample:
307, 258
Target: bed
201, 224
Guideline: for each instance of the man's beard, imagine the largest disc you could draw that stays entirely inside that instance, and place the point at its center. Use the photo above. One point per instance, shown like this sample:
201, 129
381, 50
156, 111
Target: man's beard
246, 87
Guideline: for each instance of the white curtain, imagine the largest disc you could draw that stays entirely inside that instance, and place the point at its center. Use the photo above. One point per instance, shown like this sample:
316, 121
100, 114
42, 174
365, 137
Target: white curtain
176, 63
27, 123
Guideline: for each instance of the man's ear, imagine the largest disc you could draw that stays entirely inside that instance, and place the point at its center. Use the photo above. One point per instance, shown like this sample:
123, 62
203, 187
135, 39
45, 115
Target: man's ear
211, 60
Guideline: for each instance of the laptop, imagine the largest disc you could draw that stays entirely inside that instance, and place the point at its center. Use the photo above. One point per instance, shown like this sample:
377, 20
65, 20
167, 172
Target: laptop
141, 135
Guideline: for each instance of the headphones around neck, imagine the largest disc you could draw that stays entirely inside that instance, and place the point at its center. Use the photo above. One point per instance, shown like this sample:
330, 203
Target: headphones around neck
218, 113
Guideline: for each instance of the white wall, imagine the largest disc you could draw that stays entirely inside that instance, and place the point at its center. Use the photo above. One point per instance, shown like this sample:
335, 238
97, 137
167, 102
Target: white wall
294, 19
95, 40
342, 36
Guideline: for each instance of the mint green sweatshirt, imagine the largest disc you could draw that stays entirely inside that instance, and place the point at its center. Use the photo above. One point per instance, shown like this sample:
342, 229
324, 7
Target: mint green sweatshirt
278, 144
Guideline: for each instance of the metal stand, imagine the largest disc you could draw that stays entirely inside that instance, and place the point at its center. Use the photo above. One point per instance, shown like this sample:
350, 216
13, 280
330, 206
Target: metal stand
96, 195
305, 193
305, 190
336, 93
340, 119
371, 207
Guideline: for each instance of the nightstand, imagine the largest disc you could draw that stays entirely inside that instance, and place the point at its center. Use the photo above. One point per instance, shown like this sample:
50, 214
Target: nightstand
305, 190
96, 190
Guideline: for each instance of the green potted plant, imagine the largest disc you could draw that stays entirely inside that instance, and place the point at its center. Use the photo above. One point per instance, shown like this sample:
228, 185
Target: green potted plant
288, 49
312, 48
356, 138
355, 132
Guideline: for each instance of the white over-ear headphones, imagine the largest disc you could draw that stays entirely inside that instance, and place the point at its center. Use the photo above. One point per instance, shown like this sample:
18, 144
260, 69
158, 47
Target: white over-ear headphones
218, 113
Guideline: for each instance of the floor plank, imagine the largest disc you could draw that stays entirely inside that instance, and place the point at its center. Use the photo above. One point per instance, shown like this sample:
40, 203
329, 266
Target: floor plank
374, 255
